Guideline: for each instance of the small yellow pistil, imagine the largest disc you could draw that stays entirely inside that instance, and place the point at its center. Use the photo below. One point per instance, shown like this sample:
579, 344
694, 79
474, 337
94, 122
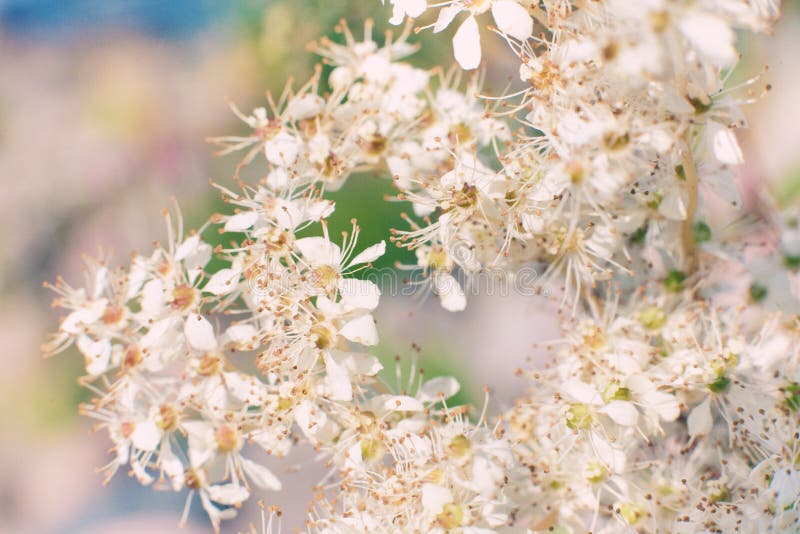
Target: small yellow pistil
438, 260
195, 478
593, 336
183, 297
324, 337
460, 133
579, 416
168, 417
459, 446
127, 428
595, 472
113, 314
376, 145
370, 449
451, 516
466, 197
325, 277
659, 20
132, 356
631, 512
210, 364
653, 318
575, 171
228, 439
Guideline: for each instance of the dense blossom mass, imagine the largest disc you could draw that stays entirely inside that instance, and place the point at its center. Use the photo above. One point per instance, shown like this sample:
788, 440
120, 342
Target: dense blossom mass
672, 401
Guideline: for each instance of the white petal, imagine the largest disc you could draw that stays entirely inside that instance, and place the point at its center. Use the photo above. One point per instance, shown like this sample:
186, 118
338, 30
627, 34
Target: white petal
415, 8
359, 293
197, 259
260, 475
228, 494
665, 405
700, 422
358, 363
512, 18
187, 247
201, 441
222, 282
215, 515
451, 295
486, 476
446, 16
673, 206
319, 251
370, 254
153, 297
161, 334
621, 412
199, 333
361, 330
786, 482
441, 387
304, 107
337, 381
609, 454
319, 210
246, 388
146, 436
282, 150
402, 403
467, 44
581, 392
412, 8
77, 320
711, 36
240, 334
96, 353
172, 466
434, 497
241, 221
724, 144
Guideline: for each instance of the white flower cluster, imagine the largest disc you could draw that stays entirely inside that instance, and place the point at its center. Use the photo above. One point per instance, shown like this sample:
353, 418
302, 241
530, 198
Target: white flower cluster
660, 412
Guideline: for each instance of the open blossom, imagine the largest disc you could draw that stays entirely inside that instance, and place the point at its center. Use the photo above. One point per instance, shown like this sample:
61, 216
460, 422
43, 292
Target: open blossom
510, 16
672, 399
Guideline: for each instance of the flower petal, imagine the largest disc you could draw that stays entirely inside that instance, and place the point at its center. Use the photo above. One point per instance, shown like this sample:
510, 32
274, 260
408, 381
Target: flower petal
260, 475
451, 295
467, 44
228, 494
621, 412
370, 254
402, 403
241, 221
724, 144
199, 333
319, 251
146, 436
446, 16
700, 422
361, 330
359, 293
512, 19
436, 389
337, 380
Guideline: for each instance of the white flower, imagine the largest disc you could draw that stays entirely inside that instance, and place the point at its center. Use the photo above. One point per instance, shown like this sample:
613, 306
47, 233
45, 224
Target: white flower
511, 18
406, 8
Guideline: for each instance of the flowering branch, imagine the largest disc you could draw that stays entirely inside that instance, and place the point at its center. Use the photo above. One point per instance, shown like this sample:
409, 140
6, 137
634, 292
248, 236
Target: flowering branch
687, 228
660, 411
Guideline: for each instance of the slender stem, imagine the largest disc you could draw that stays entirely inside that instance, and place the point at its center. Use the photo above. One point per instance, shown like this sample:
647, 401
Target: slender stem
687, 230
